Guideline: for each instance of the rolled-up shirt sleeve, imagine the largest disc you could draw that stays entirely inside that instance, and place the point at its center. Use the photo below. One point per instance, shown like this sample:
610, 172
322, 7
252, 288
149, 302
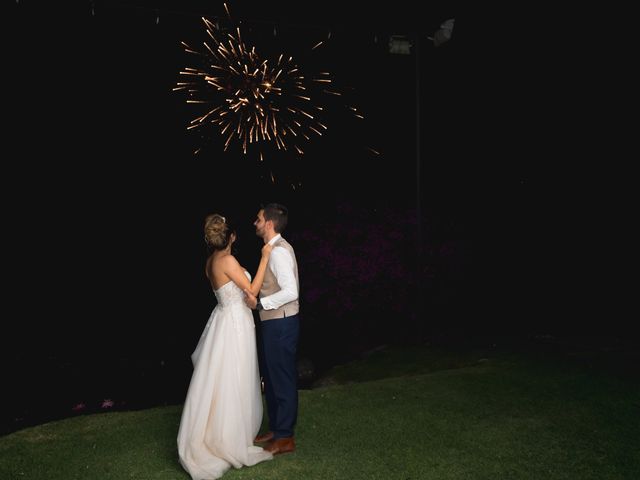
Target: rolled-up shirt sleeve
282, 266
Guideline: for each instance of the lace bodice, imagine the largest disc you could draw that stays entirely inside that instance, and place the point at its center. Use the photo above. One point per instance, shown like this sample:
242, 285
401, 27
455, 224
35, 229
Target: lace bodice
230, 294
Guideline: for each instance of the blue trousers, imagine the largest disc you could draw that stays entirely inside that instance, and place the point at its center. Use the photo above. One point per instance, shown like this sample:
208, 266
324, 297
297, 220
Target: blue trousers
279, 341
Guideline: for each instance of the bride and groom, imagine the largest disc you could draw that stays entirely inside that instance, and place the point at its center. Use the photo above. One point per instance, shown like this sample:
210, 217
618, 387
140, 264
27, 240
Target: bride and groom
223, 410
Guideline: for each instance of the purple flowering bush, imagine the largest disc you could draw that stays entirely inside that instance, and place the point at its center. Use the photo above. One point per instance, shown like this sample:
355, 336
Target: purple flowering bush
360, 274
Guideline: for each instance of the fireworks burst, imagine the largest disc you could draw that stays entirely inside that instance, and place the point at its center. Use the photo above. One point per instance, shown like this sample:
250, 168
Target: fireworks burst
254, 101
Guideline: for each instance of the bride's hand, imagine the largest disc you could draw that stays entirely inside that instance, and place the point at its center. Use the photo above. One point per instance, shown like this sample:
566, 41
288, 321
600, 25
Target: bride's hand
266, 250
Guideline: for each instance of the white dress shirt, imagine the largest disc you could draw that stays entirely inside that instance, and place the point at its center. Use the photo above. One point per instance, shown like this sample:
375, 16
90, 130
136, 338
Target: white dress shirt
282, 266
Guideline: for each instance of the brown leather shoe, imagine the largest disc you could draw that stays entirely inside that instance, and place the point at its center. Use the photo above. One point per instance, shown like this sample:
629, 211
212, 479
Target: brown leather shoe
281, 445
265, 437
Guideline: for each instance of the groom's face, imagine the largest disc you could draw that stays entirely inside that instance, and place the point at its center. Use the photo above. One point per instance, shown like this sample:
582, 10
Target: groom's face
260, 224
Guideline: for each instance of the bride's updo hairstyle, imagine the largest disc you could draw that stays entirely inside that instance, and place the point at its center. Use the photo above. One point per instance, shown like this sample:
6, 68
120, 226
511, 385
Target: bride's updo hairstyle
217, 231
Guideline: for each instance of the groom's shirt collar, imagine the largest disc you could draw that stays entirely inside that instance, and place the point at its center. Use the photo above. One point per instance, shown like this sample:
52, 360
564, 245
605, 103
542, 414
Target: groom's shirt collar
275, 239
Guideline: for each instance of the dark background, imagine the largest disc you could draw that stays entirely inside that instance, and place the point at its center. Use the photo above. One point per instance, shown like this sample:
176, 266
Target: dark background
480, 219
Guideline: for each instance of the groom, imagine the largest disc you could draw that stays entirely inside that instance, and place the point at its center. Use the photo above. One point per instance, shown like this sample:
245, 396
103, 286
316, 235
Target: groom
278, 308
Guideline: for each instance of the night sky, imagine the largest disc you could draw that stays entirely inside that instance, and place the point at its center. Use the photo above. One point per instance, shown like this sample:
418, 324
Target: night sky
104, 197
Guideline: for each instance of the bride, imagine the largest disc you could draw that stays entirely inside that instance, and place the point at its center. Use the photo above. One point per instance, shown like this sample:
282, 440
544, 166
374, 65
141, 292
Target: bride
222, 412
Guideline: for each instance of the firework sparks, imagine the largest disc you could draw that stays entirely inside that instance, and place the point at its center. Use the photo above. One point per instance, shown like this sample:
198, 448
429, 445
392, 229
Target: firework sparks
250, 100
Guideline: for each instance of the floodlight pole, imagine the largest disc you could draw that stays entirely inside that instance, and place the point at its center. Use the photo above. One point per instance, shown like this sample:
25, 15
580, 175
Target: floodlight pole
418, 162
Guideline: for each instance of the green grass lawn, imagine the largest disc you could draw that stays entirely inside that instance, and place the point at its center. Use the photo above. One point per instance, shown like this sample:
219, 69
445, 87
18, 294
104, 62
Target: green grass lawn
414, 413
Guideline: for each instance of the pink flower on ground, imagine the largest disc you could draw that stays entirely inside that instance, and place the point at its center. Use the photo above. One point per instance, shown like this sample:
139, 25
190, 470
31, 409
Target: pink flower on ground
107, 403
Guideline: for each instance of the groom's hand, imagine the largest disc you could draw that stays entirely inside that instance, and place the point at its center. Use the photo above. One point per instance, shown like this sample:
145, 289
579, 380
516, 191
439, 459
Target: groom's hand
250, 299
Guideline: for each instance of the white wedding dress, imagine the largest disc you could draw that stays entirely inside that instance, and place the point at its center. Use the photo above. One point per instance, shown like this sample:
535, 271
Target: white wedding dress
222, 412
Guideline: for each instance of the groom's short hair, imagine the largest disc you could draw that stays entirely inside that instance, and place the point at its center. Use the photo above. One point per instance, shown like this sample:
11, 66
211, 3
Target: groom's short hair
278, 214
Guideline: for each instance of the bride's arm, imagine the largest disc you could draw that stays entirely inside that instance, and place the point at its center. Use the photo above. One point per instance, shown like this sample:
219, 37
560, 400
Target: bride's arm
262, 268
235, 272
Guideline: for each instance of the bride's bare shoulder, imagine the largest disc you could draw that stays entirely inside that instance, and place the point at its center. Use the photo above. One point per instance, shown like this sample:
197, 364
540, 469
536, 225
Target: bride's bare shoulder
228, 261
230, 258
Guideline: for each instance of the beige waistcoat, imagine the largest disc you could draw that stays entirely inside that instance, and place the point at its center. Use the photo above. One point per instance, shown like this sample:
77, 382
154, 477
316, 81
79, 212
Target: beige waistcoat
270, 286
